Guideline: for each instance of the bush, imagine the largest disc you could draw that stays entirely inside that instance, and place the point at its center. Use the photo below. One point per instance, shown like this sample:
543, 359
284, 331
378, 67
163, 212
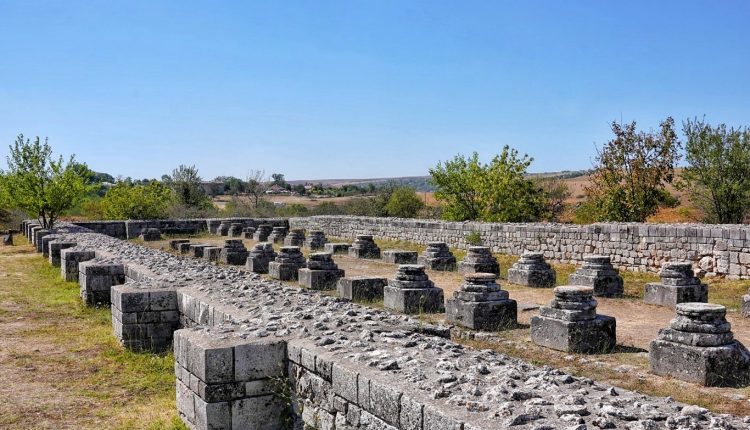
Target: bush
404, 203
124, 201
473, 238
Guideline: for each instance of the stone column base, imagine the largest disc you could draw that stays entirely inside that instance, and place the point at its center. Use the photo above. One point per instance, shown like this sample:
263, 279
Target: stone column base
671, 295
717, 366
595, 336
319, 279
414, 300
487, 316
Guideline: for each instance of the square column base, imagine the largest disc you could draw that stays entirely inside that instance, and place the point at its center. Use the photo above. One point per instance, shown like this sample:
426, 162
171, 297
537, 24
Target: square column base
413, 300
718, 366
493, 315
671, 295
319, 279
594, 336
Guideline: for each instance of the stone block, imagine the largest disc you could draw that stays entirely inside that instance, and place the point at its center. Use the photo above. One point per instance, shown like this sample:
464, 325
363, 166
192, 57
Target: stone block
437, 256
363, 288
337, 248
319, 279
364, 247
69, 260
598, 273
596, 336
398, 256
532, 271
55, 249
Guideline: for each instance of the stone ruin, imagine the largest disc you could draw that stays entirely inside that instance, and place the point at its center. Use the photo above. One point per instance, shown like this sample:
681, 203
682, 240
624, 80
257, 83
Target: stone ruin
481, 304
223, 228
174, 244
287, 264
253, 353
236, 229
316, 240
678, 285
277, 235
570, 323
362, 288
598, 273
363, 247
437, 256
262, 232
532, 271
321, 272
233, 252
197, 250
338, 248
259, 256
698, 346
412, 292
479, 259
8, 238
150, 235
296, 237
248, 232
398, 256
212, 253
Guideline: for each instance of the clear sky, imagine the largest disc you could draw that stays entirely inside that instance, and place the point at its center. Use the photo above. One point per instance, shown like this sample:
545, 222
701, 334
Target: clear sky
355, 89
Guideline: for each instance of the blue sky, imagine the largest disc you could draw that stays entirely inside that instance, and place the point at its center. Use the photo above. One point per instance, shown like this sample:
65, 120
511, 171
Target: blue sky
356, 89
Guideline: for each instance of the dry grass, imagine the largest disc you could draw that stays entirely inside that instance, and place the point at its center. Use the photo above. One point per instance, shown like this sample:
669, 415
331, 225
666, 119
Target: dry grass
61, 366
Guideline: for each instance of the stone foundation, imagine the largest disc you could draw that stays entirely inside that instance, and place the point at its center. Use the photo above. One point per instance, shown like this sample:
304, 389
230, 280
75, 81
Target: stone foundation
532, 271
55, 249
437, 256
597, 272
236, 229
150, 235
699, 347
262, 232
198, 249
296, 237
144, 317
233, 252
259, 257
479, 259
398, 256
174, 244
481, 304
363, 247
337, 248
321, 272
363, 288
212, 253
678, 285
316, 240
412, 292
570, 323
277, 236
70, 258
96, 277
287, 264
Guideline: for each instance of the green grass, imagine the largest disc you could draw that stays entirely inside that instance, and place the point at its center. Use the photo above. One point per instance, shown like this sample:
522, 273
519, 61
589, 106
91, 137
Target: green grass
128, 390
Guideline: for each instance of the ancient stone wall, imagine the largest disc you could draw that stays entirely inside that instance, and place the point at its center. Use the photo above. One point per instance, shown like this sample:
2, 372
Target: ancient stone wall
130, 229
715, 249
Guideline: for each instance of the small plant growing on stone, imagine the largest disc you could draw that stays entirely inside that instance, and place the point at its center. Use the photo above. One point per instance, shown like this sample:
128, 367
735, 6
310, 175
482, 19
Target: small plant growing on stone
474, 238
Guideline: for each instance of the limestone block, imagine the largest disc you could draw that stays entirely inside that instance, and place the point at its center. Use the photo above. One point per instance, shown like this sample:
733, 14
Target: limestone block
55, 248
532, 271
174, 244
598, 273
437, 256
398, 256
479, 259
481, 304
678, 285
337, 248
364, 288
69, 260
364, 247
412, 292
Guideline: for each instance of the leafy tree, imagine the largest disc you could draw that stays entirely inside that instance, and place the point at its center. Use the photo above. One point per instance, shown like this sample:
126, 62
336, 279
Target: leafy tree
404, 203
556, 192
278, 179
41, 185
299, 189
233, 186
187, 186
718, 172
124, 201
498, 191
631, 172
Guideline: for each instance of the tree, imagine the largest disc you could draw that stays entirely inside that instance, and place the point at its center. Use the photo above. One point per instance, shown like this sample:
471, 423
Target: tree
187, 186
404, 203
556, 192
498, 191
278, 179
257, 185
124, 201
718, 172
41, 185
631, 172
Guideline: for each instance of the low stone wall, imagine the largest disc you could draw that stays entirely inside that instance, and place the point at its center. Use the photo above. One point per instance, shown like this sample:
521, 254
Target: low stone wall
716, 249
254, 353
131, 229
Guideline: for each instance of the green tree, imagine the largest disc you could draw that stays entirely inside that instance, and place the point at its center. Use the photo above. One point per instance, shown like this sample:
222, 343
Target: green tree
404, 203
631, 172
718, 172
187, 186
278, 179
41, 185
555, 192
125, 201
499, 191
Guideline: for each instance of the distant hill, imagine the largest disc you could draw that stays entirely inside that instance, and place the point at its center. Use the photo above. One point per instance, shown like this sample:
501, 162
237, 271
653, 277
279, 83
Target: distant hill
420, 183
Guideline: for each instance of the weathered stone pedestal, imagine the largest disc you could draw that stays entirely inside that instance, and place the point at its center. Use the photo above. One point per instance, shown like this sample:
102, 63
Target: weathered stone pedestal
212, 253
321, 272
144, 317
198, 249
287, 264
296, 237
248, 232
316, 239
96, 277
184, 248
235, 229
174, 244
277, 235
437, 256
38, 235
45, 241
364, 247
532, 271
262, 232
479, 259
55, 249
150, 235
678, 285
481, 304
337, 248
8, 238
597, 272
570, 323
70, 258
223, 229
363, 288
398, 256
699, 347
259, 257
233, 252
412, 292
